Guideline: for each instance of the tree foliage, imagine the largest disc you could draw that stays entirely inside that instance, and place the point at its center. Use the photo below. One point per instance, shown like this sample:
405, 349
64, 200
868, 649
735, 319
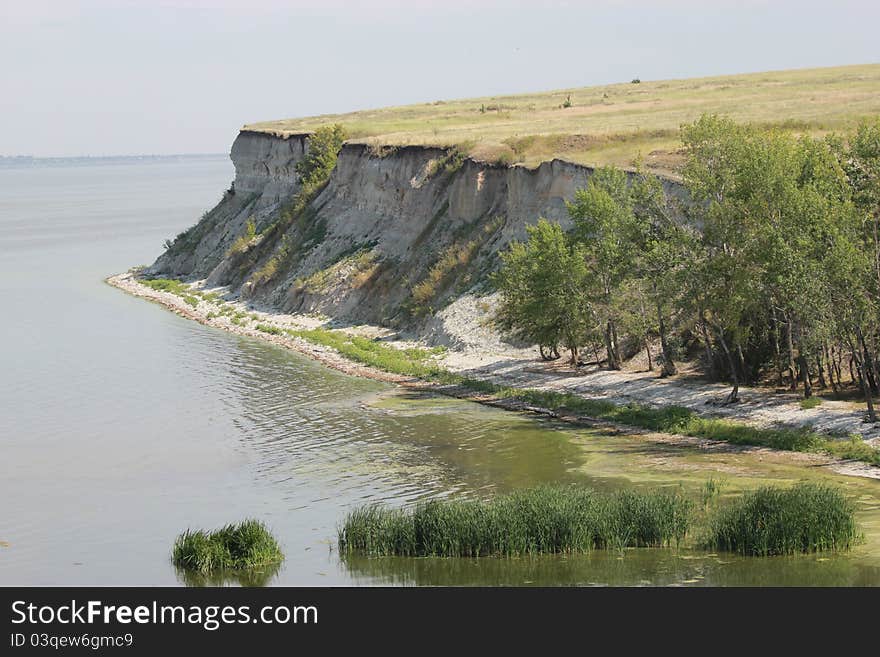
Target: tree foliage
770, 266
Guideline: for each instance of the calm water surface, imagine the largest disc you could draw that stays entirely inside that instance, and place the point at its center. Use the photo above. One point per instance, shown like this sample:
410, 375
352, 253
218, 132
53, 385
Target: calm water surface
122, 424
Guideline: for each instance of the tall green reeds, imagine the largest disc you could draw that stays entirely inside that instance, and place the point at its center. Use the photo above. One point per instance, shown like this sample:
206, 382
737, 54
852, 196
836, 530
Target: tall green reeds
806, 518
550, 519
234, 547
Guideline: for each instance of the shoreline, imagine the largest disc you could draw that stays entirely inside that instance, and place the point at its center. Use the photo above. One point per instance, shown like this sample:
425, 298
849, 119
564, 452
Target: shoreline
127, 282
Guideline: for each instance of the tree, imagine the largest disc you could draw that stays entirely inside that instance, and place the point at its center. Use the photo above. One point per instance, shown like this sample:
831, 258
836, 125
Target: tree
320, 157
663, 248
725, 276
605, 227
543, 284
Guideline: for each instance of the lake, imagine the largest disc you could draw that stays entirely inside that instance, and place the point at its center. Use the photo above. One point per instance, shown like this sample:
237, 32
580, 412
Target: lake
122, 424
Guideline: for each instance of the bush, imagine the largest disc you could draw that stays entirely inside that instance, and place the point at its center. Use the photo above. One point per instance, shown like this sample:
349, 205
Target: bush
806, 518
320, 158
233, 547
243, 241
549, 519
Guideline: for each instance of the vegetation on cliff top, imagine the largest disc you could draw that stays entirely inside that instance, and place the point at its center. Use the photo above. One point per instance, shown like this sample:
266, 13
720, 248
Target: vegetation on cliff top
611, 124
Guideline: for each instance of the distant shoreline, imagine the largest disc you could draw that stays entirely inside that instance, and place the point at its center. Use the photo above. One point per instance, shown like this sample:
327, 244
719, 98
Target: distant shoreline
30, 162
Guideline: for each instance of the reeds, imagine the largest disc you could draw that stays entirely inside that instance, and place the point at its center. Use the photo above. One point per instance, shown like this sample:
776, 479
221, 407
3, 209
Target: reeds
808, 517
241, 546
550, 519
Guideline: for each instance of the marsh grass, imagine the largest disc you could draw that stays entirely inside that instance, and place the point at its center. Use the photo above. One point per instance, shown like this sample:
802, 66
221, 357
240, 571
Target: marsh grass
241, 546
808, 517
548, 519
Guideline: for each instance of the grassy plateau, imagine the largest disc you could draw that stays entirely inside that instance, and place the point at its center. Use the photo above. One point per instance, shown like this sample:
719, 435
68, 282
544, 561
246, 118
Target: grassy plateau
612, 124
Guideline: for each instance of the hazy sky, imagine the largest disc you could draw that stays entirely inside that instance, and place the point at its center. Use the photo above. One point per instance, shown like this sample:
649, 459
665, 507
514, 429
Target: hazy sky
96, 77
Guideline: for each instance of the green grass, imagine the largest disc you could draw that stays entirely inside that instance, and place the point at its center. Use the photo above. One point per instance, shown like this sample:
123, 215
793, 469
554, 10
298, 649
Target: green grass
271, 330
806, 518
810, 402
182, 290
167, 285
408, 362
549, 519
612, 124
234, 547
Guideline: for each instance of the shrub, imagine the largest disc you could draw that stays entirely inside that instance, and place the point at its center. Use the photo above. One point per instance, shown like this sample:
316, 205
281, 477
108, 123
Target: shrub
808, 517
320, 158
244, 240
233, 547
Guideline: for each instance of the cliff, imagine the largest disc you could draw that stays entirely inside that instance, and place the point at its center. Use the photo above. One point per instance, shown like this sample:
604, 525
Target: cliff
397, 237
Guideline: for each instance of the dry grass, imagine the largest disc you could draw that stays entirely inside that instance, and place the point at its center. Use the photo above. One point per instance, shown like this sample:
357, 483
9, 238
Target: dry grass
616, 123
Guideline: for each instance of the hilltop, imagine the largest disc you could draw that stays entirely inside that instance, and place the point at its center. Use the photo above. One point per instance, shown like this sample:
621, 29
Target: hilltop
611, 124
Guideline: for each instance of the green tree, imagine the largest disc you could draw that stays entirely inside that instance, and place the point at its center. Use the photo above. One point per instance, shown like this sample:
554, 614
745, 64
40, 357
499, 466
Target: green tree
543, 284
606, 227
320, 157
663, 247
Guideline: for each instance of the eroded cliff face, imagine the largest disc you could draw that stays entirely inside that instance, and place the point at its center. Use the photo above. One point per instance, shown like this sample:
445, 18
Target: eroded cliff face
393, 238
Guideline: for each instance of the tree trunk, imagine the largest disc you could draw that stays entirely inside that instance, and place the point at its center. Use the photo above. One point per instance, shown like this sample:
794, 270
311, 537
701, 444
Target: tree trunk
820, 370
789, 343
776, 350
668, 368
866, 390
733, 397
710, 360
868, 365
611, 346
742, 364
804, 368
648, 350
617, 358
829, 359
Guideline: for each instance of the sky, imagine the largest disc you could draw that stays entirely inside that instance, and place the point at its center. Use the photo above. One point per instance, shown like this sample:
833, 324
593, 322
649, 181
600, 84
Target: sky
104, 77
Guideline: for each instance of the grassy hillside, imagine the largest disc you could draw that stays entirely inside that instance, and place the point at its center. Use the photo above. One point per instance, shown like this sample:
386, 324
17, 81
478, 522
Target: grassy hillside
613, 123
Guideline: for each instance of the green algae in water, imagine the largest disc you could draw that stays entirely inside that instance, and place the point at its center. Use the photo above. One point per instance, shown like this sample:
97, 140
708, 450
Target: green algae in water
609, 461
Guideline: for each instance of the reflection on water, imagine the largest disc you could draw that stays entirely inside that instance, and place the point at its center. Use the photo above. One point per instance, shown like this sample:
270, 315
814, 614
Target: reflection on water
262, 576
123, 425
636, 567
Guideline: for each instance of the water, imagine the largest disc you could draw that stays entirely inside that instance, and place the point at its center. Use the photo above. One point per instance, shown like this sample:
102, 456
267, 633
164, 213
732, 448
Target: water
121, 424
